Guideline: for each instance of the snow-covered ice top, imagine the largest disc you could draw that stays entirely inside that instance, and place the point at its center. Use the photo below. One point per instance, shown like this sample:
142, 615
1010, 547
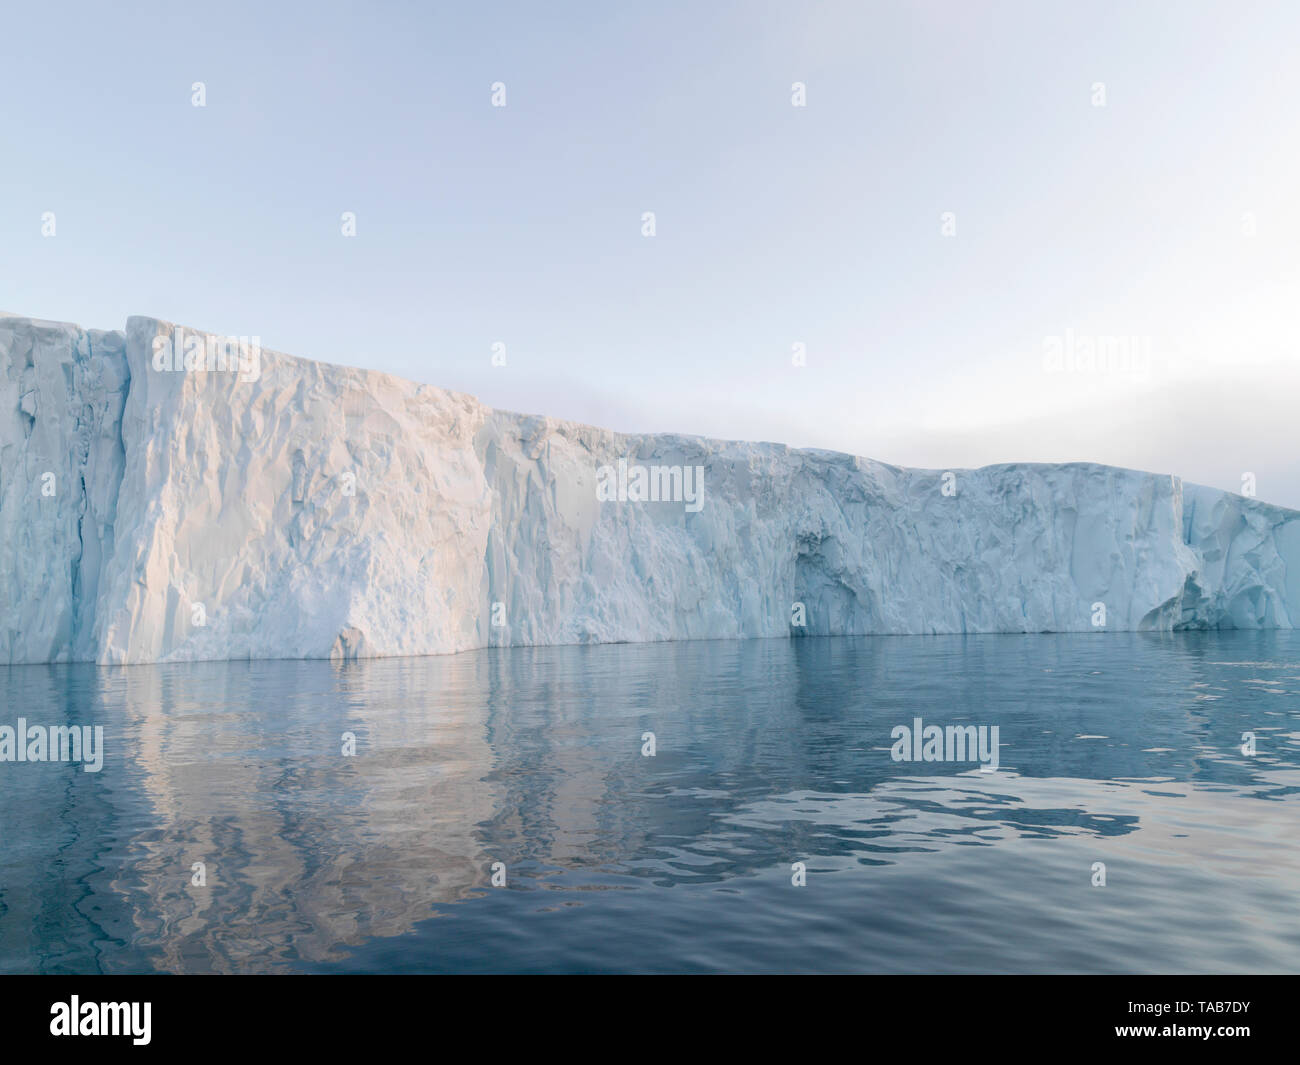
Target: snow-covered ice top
284, 508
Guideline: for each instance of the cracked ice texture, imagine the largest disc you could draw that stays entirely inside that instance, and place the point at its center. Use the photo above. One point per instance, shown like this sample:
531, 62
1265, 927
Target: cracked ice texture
322, 511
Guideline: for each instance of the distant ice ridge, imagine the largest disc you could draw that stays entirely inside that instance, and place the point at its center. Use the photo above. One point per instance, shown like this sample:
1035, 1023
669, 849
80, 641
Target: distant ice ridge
308, 511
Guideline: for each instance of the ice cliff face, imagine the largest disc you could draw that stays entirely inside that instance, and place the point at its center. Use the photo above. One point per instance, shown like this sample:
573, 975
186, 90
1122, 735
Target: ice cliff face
300, 509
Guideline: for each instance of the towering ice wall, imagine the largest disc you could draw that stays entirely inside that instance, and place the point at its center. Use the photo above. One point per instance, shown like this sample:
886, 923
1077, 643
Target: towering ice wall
287, 508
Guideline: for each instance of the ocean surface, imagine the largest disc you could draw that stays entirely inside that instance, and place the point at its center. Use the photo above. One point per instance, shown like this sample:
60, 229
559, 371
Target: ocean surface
1120, 749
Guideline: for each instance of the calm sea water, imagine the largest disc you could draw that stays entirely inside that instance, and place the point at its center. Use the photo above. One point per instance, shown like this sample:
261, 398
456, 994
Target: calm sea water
1123, 749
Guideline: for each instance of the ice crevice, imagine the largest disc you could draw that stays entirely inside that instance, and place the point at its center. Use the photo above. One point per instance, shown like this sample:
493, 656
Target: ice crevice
317, 511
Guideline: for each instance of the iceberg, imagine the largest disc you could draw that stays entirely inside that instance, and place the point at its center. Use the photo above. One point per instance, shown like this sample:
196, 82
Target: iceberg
160, 504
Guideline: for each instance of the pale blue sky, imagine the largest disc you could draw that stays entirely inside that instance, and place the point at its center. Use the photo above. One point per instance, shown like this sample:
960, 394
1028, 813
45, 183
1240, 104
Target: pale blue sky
776, 224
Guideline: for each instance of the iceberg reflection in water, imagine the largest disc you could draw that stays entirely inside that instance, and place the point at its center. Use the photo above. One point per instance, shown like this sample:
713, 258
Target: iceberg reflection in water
1123, 749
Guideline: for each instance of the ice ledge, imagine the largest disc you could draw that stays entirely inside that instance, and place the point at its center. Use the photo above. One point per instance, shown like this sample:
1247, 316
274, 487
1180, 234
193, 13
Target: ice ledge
312, 510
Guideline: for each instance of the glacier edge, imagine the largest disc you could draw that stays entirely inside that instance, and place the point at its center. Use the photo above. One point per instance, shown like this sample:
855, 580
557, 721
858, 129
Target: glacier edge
153, 515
